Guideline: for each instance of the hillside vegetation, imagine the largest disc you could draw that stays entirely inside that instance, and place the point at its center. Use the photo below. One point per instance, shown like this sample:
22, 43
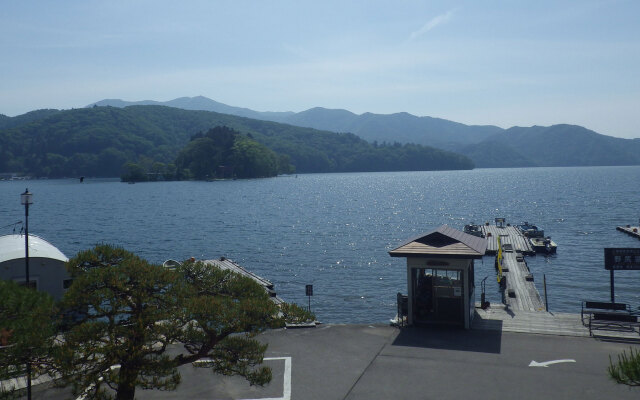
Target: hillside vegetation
399, 127
487, 146
552, 146
99, 141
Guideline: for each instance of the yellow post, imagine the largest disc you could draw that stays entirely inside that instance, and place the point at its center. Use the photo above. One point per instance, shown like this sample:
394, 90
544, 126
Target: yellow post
499, 259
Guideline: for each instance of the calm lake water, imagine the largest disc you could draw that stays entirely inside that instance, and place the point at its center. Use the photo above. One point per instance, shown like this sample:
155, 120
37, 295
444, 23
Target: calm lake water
334, 230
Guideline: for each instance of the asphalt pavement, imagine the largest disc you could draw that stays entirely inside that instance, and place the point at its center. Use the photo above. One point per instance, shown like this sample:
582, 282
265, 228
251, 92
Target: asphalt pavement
382, 362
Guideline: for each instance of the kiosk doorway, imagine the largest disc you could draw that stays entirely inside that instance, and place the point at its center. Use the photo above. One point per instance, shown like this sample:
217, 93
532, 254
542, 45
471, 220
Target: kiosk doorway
437, 296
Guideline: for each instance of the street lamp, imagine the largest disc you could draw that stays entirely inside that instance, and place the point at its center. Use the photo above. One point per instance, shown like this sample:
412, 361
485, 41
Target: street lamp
26, 198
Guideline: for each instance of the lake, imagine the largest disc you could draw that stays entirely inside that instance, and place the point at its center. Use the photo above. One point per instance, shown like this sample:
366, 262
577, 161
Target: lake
334, 230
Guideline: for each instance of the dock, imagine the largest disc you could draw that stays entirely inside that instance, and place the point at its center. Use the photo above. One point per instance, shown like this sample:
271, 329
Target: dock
502, 318
630, 230
520, 292
230, 265
508, 235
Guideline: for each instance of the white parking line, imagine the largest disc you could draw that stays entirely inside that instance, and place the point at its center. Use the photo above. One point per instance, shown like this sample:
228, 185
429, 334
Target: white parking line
286, 381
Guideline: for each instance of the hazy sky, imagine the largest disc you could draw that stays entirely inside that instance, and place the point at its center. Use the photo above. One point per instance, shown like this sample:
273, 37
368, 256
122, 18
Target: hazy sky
478, 62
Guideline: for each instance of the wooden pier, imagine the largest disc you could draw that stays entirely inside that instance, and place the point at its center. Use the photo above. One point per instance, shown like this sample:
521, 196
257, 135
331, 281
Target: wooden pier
502, 318
630, 230
509, 235
520, 292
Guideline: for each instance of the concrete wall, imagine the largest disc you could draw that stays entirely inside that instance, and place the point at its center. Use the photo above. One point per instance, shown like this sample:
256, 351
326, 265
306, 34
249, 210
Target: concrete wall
48, 274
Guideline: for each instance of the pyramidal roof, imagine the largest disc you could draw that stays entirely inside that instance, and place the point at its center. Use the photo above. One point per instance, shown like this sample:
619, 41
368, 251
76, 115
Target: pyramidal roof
442, 242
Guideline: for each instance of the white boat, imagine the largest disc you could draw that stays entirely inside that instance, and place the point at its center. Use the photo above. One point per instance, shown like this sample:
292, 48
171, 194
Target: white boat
543, 245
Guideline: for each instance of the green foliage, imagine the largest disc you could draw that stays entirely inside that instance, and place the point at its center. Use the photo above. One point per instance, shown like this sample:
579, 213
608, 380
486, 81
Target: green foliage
552, 146
253, 160
627, 369
294, 314
223, 153
137, 311
201, 157
133, 173
26, 324
130, 322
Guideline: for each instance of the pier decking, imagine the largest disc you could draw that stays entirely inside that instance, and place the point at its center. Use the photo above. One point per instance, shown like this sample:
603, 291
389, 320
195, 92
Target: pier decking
520, 292
501, 318
508, 235
630, 230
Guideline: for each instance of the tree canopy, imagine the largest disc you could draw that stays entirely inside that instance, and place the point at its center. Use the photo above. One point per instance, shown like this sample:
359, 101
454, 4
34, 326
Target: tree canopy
222, 152
26, 332
138, 311
134, 323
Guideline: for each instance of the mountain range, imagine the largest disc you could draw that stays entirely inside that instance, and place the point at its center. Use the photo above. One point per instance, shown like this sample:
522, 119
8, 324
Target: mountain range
487, 145
99, 141
399, 127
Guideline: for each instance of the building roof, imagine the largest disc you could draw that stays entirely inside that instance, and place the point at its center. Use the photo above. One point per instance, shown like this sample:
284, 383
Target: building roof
442, 242
12, 248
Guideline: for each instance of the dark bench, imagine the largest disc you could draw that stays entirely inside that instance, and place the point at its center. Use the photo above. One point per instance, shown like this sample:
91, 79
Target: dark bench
591, 307
613, 321
608, 316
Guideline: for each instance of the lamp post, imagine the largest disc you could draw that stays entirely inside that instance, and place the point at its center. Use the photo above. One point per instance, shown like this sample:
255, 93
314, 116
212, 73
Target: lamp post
26, 198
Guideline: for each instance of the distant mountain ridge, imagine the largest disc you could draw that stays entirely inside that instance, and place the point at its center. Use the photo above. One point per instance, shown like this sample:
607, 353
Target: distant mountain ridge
554, 146
199, 103
399, 127
487, 145
99, 141
31, 116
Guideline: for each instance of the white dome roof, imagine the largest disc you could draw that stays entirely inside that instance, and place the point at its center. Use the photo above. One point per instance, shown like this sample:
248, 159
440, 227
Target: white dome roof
12, 247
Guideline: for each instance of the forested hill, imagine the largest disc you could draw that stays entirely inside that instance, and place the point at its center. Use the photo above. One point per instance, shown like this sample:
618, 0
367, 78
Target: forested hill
552, 146
9, 122
399, 127
98, 141
487, 146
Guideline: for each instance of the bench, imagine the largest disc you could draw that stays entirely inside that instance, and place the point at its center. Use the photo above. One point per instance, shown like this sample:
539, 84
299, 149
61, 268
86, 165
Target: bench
591, 307
613, 321
608, 316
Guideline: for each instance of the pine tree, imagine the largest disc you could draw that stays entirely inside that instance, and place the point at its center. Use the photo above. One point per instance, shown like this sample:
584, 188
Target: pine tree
26, 333
137, 311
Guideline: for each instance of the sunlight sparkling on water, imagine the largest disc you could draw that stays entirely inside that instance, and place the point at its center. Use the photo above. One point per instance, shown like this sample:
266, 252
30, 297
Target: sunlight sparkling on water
334, 230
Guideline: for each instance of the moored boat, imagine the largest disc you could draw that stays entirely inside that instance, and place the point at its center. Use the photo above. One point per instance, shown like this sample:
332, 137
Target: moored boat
543, 245
473, 229
531, 231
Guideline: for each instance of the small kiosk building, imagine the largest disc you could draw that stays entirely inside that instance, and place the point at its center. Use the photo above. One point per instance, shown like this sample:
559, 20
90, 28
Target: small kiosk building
440, 276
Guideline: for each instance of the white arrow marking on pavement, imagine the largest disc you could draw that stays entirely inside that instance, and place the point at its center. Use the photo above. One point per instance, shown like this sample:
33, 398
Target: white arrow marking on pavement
547, 363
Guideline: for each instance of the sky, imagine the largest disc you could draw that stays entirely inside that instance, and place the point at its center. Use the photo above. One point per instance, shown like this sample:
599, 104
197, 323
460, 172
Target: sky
504, 63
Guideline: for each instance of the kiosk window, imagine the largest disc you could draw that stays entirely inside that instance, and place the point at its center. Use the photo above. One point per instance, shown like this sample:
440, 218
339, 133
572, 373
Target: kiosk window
447, 277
